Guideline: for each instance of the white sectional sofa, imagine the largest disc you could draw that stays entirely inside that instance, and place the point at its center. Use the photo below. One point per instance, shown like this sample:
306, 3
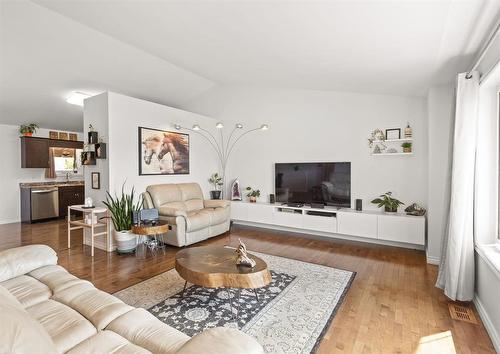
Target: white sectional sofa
45, 309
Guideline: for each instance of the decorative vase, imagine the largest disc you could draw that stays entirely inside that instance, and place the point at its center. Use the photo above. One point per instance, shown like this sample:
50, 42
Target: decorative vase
390, 210
125, 241
215, 194
408, 131
253, 199
27, 134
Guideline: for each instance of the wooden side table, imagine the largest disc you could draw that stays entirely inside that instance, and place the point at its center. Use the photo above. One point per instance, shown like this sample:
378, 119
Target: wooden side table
156, 231
81, 224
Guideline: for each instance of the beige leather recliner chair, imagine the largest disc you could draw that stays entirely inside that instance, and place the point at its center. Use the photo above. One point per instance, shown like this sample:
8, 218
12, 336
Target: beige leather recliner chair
192, 218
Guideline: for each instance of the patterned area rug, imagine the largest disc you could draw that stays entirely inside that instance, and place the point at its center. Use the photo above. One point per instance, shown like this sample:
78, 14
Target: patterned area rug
290, 315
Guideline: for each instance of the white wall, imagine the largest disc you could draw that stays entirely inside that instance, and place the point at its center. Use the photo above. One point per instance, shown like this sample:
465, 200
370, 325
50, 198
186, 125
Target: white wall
11, 173
322, 126
486, 299
486, 206
440, 101
126, 114
117, 118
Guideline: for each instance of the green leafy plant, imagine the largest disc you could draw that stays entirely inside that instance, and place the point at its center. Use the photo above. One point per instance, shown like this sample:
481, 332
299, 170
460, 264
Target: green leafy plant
253, 192
388, 202
406, 145
121, 208
28, 128
216, 181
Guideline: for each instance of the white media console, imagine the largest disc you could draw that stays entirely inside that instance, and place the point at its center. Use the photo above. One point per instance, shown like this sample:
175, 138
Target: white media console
369, 226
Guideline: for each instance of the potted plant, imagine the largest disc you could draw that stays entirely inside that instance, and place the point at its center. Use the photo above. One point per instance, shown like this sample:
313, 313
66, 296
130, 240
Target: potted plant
406, 147
253, 194
389, 203
28, 129
121, 209
217, 182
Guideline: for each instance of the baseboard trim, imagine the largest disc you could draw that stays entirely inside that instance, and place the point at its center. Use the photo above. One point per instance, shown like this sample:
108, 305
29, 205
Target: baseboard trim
326, 235
9, 221
433, 260
490, 328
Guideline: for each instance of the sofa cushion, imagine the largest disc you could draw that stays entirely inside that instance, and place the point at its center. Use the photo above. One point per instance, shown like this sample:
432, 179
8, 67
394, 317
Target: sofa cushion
21, 260
56, 278
164, 193
197, 220
222, 340
27, 290
22, 335
107, 342
98, 307
65, 326
143, 329
218, 215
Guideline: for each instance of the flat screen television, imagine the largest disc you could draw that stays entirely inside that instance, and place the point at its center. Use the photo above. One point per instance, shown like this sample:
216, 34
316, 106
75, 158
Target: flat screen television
328, 183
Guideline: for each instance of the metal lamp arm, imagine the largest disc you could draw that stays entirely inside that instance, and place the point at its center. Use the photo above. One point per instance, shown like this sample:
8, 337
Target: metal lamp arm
210, 141
237, 139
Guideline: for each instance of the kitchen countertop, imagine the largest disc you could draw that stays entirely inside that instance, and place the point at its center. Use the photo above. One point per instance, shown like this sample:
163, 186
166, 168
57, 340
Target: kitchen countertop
51, 184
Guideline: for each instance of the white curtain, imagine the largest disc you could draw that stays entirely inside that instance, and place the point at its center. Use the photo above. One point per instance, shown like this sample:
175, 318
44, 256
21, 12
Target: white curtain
456, 270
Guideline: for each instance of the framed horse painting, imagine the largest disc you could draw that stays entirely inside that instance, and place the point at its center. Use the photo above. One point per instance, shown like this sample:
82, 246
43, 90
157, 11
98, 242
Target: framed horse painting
163, 152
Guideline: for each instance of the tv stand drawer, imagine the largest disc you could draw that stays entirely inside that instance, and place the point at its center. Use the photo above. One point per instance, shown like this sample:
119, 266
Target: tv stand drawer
289, 219
319, 223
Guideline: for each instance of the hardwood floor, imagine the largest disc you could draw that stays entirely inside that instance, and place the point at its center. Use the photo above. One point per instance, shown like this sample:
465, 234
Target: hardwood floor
391, 306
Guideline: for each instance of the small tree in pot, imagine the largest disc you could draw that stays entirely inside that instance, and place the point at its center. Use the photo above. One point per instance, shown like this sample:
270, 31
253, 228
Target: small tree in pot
217, 182
253, 194
389, 203
121, 209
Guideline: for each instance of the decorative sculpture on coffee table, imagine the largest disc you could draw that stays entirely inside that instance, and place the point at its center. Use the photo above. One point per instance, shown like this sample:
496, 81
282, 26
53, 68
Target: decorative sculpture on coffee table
243, 258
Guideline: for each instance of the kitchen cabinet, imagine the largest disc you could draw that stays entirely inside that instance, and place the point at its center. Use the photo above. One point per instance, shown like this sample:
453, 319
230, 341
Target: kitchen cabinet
70, 195
34, 152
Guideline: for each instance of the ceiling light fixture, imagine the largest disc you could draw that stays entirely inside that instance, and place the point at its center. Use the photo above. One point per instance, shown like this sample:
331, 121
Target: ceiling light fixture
77, 98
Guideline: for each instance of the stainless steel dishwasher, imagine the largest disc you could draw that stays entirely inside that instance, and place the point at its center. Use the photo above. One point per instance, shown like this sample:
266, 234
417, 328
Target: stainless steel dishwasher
44, 203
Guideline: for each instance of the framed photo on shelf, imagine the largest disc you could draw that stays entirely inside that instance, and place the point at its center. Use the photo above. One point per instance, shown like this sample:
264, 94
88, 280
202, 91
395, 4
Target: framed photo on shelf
393, 134
96, 180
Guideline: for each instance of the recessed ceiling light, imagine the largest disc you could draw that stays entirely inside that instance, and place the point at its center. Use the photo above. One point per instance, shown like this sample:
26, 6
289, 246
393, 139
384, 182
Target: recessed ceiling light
77, 98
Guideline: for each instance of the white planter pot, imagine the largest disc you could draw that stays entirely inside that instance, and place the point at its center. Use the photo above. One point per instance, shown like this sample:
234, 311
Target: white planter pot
125, 241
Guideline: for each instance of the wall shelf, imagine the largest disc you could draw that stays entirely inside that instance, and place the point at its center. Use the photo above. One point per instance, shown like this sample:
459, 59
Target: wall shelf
393, 140
392, 153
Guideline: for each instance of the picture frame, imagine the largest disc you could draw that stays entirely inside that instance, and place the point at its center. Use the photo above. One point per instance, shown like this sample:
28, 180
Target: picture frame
53, 135
73, 137
63, 136
393, 134
96, 180
163, 152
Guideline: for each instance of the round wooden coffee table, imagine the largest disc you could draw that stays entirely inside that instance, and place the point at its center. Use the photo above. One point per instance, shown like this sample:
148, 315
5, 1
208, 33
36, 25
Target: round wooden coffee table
215, 267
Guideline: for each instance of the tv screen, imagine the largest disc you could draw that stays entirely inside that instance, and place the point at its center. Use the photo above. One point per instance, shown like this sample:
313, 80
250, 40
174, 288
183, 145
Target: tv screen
328, 183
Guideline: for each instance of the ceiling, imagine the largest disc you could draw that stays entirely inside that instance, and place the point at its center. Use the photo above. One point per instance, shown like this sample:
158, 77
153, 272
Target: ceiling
171, 51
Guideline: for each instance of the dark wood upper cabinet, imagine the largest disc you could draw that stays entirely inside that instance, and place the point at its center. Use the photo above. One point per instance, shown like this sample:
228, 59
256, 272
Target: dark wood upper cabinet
35, 151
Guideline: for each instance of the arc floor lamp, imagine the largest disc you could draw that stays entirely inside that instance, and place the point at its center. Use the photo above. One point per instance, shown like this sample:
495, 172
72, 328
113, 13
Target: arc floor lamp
223, 147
